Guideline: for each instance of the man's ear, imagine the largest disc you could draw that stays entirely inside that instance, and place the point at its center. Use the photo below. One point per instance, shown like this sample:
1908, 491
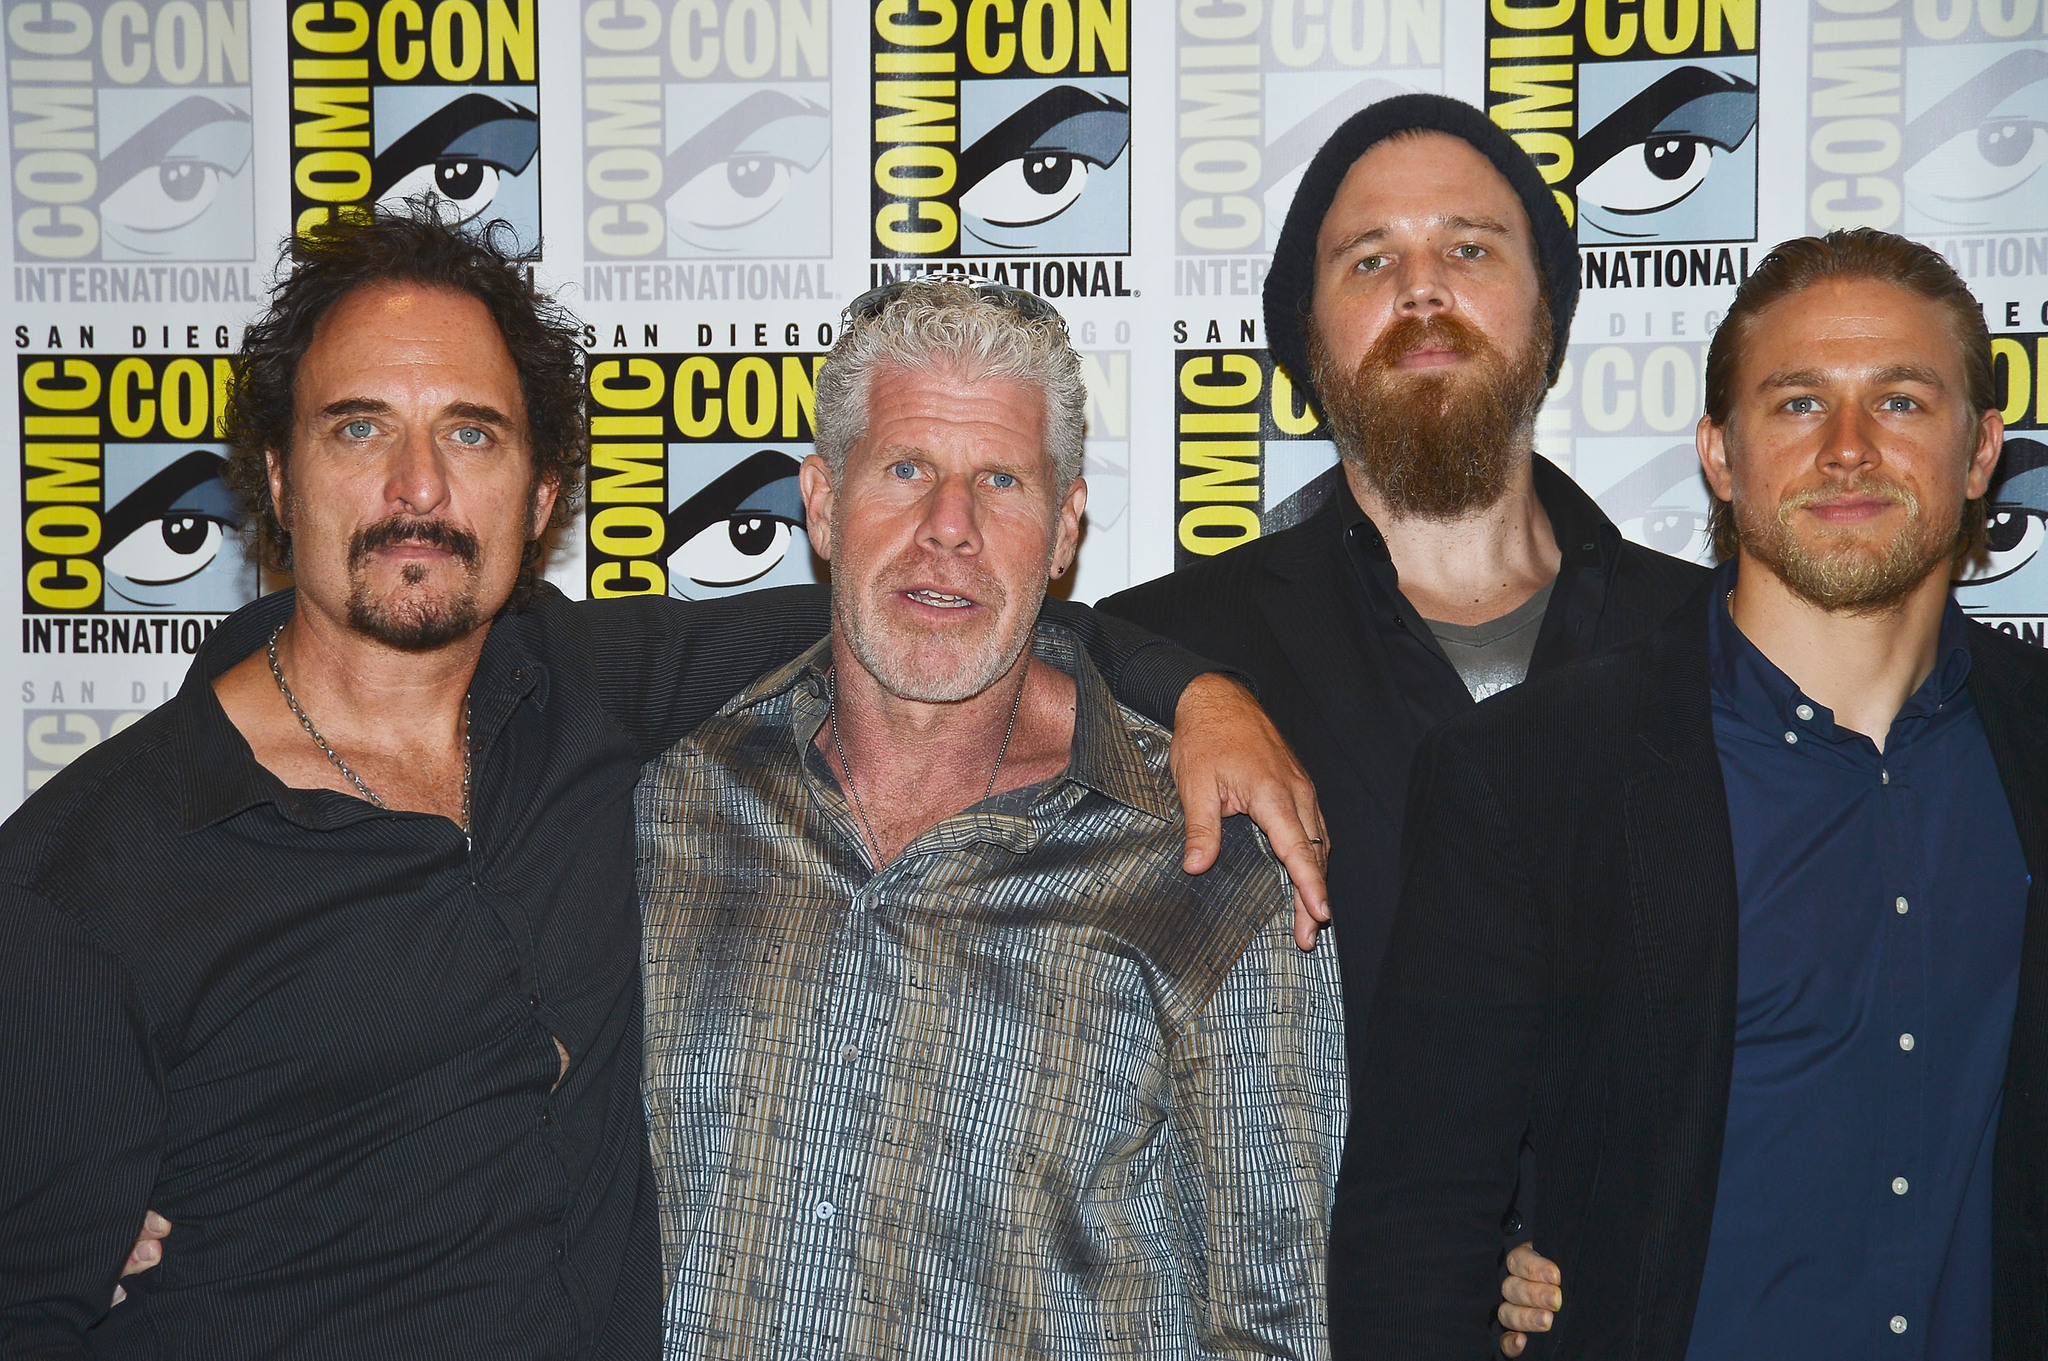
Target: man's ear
814, 482
546, 491
1712, 442
280, 504
1072, 506
1984, 458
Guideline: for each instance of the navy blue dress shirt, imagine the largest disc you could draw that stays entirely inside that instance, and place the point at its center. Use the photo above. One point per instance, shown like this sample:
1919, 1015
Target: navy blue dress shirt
1882, 897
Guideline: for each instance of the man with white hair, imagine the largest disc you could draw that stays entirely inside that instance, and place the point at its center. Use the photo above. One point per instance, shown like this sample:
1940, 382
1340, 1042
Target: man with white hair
945, 1052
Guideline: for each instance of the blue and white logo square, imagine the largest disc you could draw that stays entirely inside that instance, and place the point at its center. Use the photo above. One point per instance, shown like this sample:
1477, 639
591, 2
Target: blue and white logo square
1666, 151
736, 519
749, 169
1042, 166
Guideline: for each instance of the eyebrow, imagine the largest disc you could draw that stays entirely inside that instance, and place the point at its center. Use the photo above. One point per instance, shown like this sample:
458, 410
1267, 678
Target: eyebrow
1813, 378
1454, 221
371, 406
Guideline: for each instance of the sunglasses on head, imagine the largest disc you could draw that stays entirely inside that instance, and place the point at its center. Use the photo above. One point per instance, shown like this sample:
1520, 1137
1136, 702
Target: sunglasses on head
1029, 306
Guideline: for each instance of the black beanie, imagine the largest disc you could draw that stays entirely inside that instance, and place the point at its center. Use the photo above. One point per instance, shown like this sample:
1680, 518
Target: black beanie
1291, 285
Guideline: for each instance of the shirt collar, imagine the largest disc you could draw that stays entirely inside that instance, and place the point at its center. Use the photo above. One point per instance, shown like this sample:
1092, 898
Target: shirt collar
1107, 755
1764, 697
233, 780
1584, 534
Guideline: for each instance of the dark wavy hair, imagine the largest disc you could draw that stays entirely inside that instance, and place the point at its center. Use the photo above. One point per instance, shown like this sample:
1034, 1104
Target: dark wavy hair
1857, 253
409, 246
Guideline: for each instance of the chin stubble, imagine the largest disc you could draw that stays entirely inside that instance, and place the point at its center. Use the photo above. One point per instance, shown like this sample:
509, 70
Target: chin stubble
413, 625
1838, 572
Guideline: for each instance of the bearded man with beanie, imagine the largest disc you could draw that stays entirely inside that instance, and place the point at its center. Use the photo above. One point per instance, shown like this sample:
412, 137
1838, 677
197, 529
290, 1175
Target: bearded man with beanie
1421, 296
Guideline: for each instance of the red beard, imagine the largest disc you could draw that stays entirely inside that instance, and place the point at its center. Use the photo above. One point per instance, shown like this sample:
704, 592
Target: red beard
1434, 446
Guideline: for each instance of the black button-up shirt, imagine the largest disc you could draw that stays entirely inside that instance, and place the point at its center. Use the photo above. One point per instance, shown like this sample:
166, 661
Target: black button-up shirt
317, 1035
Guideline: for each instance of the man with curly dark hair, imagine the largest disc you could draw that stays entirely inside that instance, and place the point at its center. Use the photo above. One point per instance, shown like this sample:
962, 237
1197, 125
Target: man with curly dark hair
333, 959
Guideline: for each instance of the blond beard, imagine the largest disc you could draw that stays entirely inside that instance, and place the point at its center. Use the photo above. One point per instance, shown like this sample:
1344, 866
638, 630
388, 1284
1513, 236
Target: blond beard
1840, 573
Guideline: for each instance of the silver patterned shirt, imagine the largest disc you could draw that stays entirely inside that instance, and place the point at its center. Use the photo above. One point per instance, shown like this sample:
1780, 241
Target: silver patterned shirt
1028, 1090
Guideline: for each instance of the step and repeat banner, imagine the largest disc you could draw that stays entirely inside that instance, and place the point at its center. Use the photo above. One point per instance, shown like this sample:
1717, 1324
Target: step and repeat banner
706, 183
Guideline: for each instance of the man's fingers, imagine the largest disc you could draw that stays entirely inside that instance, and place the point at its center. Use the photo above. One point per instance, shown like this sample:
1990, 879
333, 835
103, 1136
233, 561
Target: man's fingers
1306, 924
142, 1257
154, 1225
1534, 1294
1511, 1344
1203, 808
1522, 1320
120, 1293
1532, 1265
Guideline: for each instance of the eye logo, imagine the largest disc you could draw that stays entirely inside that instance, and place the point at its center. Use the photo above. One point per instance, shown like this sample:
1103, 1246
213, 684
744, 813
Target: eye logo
1050, 174
2011, 576
1663, 503
742, 530
168, 533
169, 544
1973, 157
752, 177
1645, 164
457, 157
167, 175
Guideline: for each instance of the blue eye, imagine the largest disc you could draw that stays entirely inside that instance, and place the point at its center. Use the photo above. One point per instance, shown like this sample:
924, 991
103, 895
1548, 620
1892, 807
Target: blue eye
1802, 406
470, 435
1899, 404
359, 430
1004, 480
903, 471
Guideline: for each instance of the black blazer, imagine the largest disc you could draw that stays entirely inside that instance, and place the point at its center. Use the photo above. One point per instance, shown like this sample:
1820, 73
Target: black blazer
1340, 680
1563, 966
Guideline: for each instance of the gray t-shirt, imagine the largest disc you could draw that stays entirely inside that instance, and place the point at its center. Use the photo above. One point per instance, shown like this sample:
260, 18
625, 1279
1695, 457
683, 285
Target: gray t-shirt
1494, 655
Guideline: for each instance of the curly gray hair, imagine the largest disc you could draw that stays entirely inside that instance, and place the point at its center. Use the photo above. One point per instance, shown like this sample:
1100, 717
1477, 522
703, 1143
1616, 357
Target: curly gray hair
944, 323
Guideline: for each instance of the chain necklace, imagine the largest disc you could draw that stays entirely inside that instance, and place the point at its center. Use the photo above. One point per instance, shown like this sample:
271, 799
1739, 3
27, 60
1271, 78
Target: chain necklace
832, 716
277, 674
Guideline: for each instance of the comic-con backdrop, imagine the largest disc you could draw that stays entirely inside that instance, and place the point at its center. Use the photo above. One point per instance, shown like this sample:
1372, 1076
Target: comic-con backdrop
708, 182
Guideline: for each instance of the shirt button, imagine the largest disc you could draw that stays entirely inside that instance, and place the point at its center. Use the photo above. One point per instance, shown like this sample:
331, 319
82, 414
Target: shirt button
1884, 776
1900, 904
826, 1209
1898, 1186
1805, 712
519, 673
851, 1052
1792, 737
1898, 1323
1906, 1042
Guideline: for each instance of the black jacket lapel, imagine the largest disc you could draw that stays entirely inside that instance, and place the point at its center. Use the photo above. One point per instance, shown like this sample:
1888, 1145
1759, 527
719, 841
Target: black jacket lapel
1683, 897
1324, 640
2012, 702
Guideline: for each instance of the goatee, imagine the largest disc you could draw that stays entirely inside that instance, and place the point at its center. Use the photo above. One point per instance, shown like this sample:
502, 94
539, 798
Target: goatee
1839, 571
413, 623
1434, 445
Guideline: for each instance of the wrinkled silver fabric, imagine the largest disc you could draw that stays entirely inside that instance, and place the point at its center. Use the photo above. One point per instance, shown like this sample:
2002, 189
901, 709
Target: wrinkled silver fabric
1029, 1090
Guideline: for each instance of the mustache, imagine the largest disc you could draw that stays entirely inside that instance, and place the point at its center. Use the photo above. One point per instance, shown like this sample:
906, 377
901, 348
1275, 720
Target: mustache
1861, 484
1410, 334
406, 529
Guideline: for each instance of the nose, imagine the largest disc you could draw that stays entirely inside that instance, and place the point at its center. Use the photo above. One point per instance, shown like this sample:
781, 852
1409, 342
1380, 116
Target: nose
417, 478
951, 522
1423, 290
1850, 442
